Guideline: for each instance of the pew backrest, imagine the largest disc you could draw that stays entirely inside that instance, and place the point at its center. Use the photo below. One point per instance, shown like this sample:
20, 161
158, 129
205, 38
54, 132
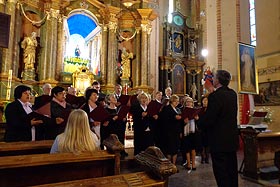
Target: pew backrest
26, 170
25, 148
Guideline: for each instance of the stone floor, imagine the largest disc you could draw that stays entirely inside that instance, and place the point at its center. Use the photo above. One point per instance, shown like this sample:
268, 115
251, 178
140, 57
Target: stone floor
203, 176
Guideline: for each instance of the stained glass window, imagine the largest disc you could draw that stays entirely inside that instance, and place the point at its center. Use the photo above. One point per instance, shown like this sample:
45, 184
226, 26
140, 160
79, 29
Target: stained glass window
252, 12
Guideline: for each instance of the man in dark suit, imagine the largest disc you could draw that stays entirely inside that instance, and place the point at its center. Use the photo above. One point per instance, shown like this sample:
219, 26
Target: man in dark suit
220, 121
101, 96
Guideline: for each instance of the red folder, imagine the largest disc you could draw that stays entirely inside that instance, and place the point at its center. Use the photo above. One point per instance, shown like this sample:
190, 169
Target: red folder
123, 99
123, 112
45, 110
75, 101
99, 114
41, 101
190, 113
259, 114
153, 108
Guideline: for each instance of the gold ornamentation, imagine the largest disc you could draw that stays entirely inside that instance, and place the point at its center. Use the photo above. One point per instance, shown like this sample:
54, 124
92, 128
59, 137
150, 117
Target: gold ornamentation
54, 13
146, 28
37, 23
112, 26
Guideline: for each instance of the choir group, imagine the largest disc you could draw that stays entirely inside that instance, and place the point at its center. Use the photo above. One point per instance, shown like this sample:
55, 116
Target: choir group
167, 122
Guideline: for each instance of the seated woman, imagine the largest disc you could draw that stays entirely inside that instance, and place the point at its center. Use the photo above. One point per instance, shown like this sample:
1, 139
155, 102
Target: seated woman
77, 137
19, 126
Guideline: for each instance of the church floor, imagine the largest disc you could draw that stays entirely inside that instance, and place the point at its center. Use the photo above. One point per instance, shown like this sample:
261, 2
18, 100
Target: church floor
203, 176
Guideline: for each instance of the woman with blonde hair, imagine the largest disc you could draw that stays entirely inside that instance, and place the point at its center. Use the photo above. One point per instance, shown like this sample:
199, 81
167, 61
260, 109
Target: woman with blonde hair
77, 137
143, 130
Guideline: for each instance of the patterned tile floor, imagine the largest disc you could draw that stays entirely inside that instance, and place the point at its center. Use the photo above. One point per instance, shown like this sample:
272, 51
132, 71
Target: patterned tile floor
203, 176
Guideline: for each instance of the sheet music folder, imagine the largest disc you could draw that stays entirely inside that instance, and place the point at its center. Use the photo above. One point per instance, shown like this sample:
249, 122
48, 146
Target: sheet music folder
37, 116
99, 114
190, 113
123, 112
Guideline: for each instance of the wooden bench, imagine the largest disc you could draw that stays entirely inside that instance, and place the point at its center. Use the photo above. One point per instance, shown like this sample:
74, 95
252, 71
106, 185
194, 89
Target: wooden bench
158, 169
27, 170
25, 148
259, 150
124, 180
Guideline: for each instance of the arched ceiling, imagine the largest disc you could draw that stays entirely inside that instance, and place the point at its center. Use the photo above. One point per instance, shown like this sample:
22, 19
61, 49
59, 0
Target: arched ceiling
81, 24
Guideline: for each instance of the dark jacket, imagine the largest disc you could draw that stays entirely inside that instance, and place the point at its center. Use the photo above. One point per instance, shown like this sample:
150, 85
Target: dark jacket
220, 120
18, 125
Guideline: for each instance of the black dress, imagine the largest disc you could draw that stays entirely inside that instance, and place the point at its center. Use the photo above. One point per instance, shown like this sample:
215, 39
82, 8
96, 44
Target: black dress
170, 141
143, 135
57, 110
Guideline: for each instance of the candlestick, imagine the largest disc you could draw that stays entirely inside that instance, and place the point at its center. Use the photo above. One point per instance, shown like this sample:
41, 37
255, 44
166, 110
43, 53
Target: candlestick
9, 85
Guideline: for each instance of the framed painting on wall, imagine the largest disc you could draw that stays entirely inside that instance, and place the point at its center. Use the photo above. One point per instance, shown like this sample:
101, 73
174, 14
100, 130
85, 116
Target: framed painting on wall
178, 79
269, 94
247, 71
178, 42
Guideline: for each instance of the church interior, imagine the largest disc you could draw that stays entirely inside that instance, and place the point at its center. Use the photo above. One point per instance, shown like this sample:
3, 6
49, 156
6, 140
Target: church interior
149, 45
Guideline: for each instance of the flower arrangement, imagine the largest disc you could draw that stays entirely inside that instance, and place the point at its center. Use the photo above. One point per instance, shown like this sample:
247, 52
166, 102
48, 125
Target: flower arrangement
268, 117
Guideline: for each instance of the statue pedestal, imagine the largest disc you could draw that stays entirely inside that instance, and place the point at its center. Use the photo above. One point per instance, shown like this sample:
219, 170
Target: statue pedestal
28, 74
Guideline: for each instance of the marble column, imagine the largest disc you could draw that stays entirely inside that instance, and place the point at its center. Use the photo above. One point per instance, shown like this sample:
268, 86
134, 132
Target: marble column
104, 55
60, 48
112, 54
49, 47
145, 32
138, 60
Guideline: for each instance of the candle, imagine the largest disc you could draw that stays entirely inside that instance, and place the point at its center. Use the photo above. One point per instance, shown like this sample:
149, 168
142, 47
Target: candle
10, 74
125, 88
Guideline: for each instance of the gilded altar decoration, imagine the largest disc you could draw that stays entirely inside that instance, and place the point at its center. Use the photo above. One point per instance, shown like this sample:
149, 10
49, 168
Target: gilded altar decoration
29, 45
71, 64
126, 56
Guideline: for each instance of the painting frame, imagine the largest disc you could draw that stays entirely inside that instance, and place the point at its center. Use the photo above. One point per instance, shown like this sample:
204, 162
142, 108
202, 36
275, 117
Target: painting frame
178, 79
269, 94
247, 69
178, 44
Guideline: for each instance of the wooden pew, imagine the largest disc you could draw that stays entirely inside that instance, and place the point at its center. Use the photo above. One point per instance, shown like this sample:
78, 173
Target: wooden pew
259, 150
27, 170
25, 148
157, 167
277, 162
124, 180
2, 130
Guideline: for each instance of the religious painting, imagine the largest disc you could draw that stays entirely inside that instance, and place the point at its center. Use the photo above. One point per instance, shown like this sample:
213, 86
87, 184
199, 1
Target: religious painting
178, 79
178, 42
269, 94
247, 72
